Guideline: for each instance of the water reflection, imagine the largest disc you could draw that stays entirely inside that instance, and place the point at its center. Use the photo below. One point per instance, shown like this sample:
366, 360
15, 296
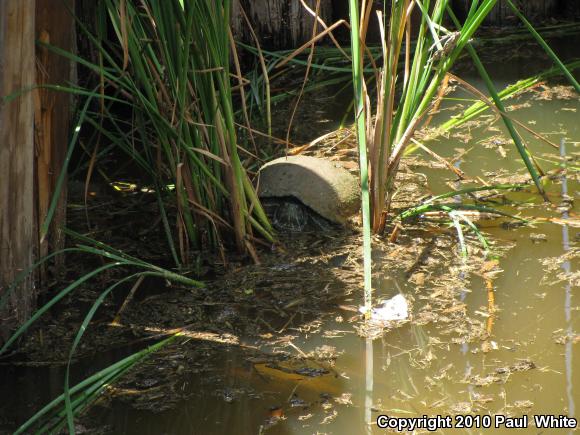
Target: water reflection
369, 385
566, 266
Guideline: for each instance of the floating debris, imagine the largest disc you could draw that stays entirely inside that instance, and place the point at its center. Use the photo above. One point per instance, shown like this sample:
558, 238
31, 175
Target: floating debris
501, 374
297, 402
390, 310
538, 238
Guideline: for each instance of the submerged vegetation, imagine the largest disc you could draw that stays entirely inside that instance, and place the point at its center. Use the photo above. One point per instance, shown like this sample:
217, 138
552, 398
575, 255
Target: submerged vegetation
165, 97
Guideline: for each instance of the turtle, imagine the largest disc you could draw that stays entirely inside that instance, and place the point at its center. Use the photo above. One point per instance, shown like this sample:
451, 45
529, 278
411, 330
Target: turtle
288, 214
302, 193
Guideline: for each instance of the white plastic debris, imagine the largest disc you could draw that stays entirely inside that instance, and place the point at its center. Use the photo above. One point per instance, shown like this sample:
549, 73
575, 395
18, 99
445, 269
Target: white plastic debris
392, 309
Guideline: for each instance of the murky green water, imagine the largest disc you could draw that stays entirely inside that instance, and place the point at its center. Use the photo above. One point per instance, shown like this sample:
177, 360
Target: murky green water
419, 370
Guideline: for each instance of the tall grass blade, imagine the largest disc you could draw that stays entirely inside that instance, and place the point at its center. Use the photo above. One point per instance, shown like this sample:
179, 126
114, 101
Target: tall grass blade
359, 95
88, 389
173, 73
52, 302
509, 91
546, 47
522, 150
455, 219
84, 325
62, 176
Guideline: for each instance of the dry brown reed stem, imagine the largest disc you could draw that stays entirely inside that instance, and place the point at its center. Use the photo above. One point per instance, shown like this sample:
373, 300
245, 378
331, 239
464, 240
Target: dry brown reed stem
263, 67
241, 86
325, 26
472, 89
306, 73
309, 43
460, 174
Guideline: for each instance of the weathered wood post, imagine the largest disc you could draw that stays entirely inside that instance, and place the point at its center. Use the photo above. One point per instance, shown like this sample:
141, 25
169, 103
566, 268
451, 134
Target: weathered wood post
278, 23
502, 15
34, 131
54, 25
18, 235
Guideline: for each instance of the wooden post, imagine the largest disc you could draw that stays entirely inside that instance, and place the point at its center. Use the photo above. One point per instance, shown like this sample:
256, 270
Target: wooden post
54, 25
18, 235
502, 15
278, 23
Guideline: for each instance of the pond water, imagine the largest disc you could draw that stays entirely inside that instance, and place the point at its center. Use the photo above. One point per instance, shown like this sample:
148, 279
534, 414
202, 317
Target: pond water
529, 365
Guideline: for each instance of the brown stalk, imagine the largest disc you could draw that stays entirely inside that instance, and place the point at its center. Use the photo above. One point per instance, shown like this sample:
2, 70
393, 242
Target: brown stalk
124, 33
234, 188
181, 230
460, 174
404, 141
262, 66
440, 94
252, 252
365, 17
241, 87
308, 65
380, 183
393, 165
491, 308
499, 113
117, 319
162, 88
408, 43
208, 70
209, 215
311, 42
274, 138
324, 25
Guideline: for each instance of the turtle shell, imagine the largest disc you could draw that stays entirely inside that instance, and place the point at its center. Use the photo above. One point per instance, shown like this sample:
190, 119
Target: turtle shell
323, 186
